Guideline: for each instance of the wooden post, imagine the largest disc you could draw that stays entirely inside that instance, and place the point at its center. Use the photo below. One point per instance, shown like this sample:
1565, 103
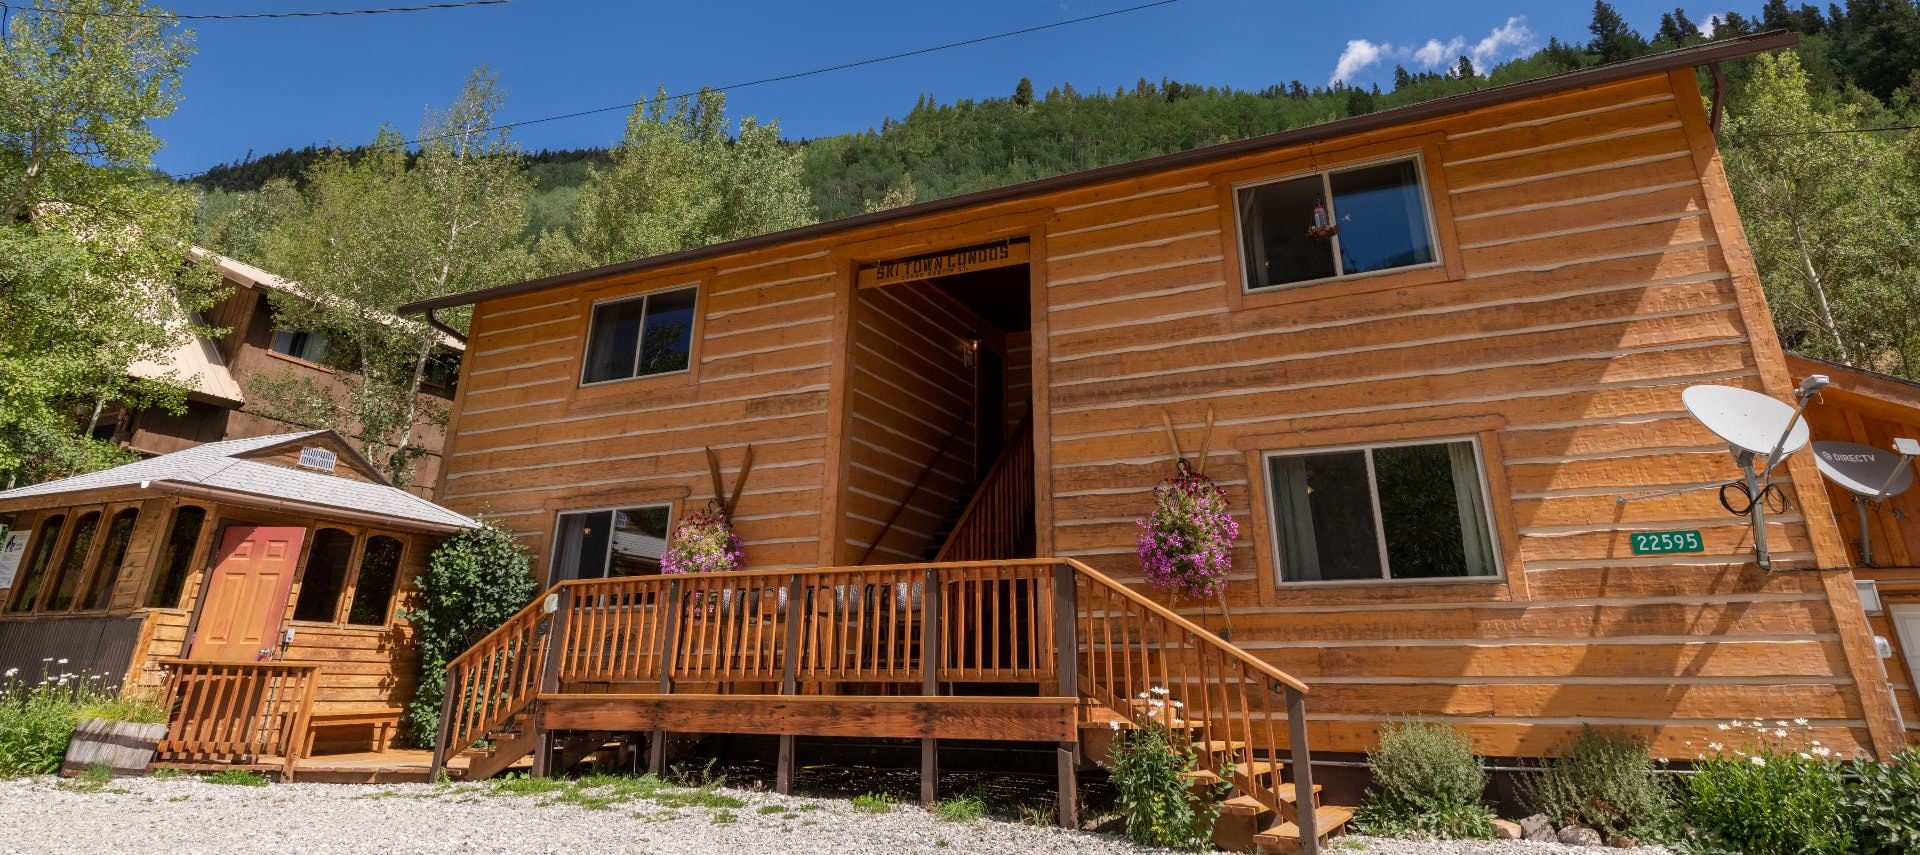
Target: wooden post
930, 653
549, 680
297, 734
657, 752
441, 734
1066, 664
1304, 803
789, 682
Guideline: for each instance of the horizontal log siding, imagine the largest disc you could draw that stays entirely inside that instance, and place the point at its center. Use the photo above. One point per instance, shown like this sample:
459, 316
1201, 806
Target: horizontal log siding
1584, 285
907, 391
530, 441
1586, 290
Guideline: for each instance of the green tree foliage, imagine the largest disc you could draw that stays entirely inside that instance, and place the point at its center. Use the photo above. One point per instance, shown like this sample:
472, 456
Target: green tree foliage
374, 233
1613, 39
1833, 217
475, 581
92, 247
679, 179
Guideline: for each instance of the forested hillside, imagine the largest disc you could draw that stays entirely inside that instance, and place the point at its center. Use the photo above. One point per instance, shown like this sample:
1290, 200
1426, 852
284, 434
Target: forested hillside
1858, 70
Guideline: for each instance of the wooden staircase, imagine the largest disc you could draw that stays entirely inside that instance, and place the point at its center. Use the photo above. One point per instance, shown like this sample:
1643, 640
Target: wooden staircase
1052, 649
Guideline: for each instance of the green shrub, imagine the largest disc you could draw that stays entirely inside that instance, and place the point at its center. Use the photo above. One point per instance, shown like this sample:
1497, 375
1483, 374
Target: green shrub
1883, 800
1156, 796
475, 581
873, 803
1603, 782
1427, 782
37, 719
1770, 791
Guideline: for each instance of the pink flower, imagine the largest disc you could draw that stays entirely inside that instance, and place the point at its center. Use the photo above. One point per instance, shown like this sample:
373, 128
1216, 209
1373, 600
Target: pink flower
1186, 544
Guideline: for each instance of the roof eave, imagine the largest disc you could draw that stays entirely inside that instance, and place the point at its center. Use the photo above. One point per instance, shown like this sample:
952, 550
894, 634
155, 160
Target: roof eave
1688, 57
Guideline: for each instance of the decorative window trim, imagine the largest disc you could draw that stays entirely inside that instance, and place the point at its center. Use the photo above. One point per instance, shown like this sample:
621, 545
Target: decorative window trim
1416, 156
698, 287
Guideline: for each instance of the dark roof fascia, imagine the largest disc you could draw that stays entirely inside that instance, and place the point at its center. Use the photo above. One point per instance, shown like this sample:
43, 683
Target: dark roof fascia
1703, 54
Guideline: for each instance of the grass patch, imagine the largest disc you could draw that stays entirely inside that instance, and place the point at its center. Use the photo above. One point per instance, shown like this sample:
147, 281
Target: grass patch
706, 797
167, 774
772, 809
962, 809
140, 708
95, 779
526, 785
873, 802
237, 778
725, 817
1039, 817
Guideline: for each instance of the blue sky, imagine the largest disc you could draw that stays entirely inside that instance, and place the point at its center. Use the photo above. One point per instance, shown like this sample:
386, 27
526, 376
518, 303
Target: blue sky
268, 85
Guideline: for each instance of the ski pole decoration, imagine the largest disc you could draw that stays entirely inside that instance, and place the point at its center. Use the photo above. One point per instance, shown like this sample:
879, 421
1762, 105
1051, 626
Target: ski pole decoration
1186, 542
704, 541
1758, 430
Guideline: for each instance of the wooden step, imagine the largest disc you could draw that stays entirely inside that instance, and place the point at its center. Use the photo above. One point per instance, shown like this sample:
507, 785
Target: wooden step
1219, 746
1284, 838
1243, 806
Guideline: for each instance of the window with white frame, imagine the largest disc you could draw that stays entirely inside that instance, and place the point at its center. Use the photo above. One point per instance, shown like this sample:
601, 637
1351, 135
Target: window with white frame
611, 542
640, 336
1381, 512
1336, 223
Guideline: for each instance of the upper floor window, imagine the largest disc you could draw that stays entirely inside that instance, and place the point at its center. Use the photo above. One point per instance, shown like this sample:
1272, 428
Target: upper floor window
1381, 512
1342, 222
640, 336
618, 542
308, 346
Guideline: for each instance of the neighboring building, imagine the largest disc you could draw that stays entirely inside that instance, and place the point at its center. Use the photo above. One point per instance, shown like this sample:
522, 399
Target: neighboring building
262, 582
221, 372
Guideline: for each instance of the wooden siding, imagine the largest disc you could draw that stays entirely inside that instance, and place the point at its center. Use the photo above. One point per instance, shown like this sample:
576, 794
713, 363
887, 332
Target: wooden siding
908, 392
1591, 267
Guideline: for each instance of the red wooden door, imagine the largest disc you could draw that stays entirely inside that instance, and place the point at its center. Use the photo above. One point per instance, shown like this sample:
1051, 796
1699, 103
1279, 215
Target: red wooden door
246, 594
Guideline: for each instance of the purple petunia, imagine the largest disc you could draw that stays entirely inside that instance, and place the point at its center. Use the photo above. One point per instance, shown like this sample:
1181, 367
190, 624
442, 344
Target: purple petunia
1186, 544
703, 542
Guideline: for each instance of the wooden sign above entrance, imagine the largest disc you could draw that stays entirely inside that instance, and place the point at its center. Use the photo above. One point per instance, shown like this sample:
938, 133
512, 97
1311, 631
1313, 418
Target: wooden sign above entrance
948, 263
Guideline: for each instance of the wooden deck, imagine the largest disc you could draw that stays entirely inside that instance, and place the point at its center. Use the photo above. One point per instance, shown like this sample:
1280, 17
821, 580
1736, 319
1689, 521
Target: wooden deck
396, 766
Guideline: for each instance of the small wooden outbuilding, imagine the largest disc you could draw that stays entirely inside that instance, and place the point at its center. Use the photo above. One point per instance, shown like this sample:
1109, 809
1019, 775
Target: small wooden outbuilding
259, 583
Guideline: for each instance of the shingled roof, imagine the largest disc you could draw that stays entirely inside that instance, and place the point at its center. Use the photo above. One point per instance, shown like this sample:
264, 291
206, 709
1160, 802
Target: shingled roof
222, 467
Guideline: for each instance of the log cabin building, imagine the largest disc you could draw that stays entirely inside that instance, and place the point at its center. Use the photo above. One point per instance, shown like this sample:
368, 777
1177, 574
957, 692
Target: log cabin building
255, 346
1423, 351
259, 584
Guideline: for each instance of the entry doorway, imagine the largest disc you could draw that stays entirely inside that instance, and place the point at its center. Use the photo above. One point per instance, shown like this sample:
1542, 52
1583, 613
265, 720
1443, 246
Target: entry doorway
244, 602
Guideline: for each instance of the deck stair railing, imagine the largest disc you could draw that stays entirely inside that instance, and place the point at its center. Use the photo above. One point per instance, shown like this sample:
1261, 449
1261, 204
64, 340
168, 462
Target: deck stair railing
237, 712
997, 621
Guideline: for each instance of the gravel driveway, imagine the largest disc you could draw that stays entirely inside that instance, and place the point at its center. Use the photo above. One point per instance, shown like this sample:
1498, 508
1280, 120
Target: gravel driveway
186, 815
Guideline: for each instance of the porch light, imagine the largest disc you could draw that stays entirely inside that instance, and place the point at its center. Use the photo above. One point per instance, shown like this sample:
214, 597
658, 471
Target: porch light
970, 350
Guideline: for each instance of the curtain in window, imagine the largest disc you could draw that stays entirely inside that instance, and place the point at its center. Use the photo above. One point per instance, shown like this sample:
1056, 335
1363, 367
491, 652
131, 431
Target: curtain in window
1253, 237
1476, 536
1293, 520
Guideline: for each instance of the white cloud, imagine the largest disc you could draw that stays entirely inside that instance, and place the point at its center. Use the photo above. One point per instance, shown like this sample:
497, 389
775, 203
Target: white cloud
1359, 54
1435, 53
1503, 42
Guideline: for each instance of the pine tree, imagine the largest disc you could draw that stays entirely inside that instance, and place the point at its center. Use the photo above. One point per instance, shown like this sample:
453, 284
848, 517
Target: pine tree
1464, 70
1776, 16
1669, 29
1401, 79
1023, 94
1688, 29
1734, 25
1613, 40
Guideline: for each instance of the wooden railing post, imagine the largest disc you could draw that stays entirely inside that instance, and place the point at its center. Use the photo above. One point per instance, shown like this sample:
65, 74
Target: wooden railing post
789, 681
1302, 761
930, 654
443, 733
657, 756
296, 736
1066, 665
549, 680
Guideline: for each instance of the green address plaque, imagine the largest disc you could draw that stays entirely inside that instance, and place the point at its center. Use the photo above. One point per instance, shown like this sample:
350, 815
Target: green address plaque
1667, 542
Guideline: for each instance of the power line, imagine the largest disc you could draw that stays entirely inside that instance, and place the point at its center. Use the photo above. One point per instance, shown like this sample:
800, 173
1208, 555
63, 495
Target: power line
251, 16
782, 77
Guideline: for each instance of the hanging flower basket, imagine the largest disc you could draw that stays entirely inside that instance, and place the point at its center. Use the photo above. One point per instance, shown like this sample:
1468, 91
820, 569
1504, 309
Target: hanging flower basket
1186, 544
1323, 232
703, 542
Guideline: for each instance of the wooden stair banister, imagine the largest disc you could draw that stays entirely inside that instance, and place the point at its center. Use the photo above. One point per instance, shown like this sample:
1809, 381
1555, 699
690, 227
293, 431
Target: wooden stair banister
491, 682
918, 482
1000, 510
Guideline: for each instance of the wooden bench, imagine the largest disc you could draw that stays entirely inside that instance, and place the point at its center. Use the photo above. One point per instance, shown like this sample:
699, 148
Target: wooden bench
383, 720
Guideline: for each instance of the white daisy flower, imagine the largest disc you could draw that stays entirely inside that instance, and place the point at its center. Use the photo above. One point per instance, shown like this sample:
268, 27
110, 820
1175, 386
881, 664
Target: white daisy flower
1757, 760
1800, 721
1713, 746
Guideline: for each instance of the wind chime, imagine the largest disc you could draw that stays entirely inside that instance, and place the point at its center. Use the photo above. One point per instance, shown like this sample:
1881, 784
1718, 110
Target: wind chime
1186, 543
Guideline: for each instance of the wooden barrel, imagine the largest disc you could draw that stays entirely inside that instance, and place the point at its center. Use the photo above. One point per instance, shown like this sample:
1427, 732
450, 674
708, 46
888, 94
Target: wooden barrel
124, 747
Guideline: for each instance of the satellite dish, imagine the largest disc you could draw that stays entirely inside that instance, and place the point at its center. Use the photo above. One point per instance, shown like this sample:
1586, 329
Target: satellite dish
1864, 470
1747, 420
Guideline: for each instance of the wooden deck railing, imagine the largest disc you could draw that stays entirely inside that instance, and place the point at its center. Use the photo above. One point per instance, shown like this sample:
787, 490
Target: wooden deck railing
985, 622
237, 712
492, 681
1001, 511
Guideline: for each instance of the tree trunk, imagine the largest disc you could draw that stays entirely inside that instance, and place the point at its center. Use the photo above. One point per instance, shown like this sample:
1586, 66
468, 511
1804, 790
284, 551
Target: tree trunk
1819, 290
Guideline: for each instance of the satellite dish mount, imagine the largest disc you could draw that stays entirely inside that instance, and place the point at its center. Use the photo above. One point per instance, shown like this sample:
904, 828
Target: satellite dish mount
1870, 474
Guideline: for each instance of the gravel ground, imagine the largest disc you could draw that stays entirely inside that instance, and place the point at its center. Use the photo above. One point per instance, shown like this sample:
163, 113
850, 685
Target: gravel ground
186, 815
